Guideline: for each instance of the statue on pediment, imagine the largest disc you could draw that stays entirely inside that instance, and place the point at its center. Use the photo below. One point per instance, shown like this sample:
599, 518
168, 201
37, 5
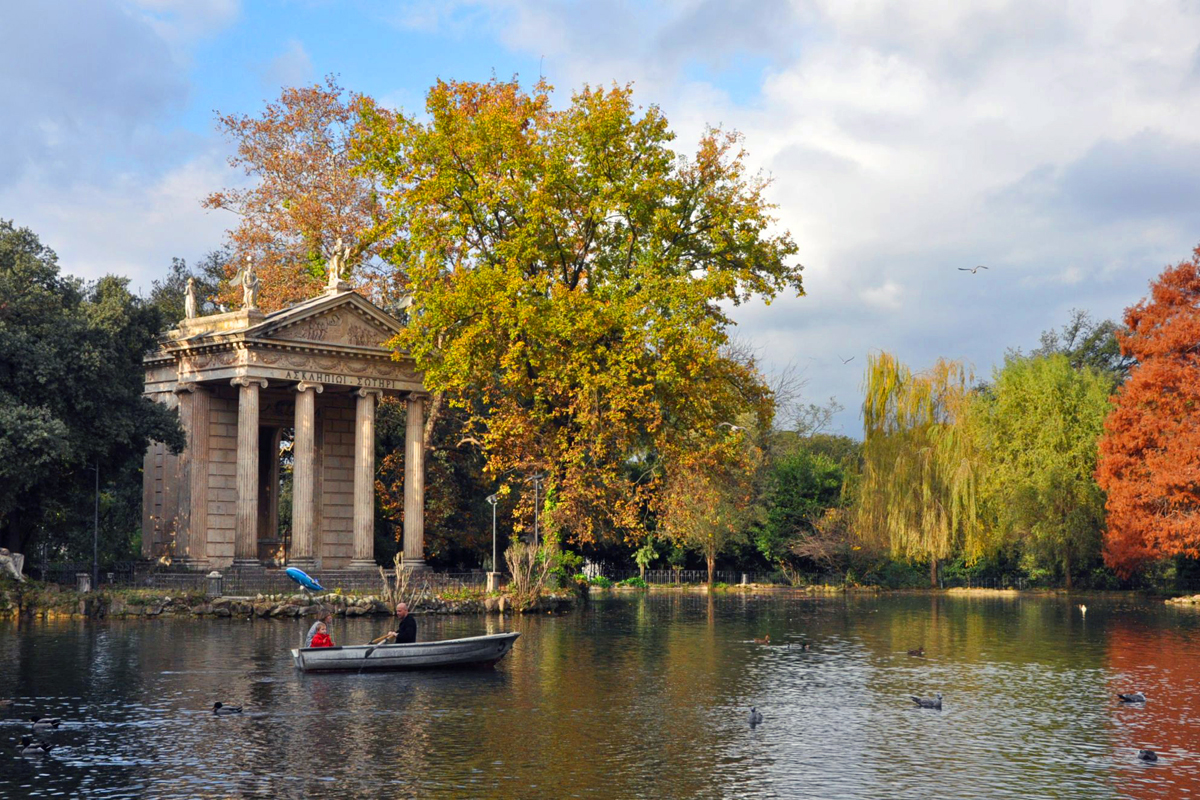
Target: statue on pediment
247, 278
189, 300
336, 265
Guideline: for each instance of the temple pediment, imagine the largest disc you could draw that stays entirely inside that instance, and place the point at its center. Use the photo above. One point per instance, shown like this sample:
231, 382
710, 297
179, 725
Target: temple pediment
336, 339
346, 319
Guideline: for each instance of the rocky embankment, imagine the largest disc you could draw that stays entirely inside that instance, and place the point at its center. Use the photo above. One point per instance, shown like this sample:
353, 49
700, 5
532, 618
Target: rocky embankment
29, 600
1192, 600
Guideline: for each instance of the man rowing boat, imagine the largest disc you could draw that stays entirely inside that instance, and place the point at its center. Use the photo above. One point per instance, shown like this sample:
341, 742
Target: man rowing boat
406, 627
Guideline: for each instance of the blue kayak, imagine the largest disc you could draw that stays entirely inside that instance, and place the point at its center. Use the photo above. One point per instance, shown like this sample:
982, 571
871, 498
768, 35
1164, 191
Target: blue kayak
301, 577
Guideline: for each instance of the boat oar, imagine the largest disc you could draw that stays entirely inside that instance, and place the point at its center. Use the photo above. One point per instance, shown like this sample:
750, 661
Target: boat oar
378, 639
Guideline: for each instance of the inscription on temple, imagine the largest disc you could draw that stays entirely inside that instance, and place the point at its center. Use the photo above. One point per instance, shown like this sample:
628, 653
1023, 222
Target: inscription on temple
332, 378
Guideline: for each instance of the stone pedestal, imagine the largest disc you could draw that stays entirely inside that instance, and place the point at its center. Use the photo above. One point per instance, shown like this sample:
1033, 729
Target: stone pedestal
493, 582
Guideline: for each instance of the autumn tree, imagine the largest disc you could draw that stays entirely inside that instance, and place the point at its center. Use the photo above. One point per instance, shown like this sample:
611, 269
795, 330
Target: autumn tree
571, 275
306, 193
919, 491
1150, 451
1041, 421
710, 493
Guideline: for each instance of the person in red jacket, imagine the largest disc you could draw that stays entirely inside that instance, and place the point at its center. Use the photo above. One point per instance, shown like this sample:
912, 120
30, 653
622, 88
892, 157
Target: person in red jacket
321, 637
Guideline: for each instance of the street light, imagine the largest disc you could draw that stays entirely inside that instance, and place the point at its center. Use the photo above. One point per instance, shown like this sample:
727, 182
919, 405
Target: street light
96, 533
492, 500
537, 482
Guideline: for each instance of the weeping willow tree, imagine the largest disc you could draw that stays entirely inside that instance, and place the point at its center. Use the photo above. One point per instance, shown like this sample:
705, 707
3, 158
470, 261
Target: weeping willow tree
918, 496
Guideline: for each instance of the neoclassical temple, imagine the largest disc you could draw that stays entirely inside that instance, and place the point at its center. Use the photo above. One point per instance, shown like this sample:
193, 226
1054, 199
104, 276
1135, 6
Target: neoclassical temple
243, 381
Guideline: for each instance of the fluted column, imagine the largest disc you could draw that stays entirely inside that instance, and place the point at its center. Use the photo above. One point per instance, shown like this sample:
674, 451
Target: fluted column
414, 483
364, 480
184, 466
245, 542
304, 476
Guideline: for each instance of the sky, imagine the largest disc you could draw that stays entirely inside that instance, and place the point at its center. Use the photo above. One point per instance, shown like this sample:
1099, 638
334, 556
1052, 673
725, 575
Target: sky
1058, 144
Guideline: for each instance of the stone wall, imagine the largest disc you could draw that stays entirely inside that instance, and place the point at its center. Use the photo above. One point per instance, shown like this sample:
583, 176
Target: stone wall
335, 506
222, 478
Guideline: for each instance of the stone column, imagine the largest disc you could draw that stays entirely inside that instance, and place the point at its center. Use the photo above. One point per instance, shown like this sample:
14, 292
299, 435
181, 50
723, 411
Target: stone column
304, 476
198, 450
414, 483
364, 480
182, 547
245, 542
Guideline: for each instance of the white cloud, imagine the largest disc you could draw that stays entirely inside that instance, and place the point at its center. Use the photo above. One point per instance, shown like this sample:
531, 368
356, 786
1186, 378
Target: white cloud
888, 295
126, 226
1059, 144
292, 67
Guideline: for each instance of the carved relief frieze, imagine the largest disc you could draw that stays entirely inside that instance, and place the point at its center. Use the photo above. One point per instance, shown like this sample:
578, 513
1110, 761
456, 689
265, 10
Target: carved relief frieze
316, 329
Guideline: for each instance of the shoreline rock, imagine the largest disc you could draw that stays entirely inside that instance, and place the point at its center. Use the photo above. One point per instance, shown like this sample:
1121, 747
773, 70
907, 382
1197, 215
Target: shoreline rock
54, 602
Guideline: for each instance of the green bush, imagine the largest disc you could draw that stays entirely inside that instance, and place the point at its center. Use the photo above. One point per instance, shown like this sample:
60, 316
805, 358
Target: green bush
601, 582
636, 582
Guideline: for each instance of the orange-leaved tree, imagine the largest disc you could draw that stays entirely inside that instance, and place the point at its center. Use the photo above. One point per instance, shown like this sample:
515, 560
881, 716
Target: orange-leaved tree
307, 194
1150, 450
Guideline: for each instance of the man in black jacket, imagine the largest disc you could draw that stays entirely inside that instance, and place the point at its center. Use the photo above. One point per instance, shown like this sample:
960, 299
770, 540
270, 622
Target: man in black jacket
406, 627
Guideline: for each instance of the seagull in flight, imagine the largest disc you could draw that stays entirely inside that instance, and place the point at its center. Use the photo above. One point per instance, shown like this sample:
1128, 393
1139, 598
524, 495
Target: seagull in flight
733, 428
972, 271
847, 360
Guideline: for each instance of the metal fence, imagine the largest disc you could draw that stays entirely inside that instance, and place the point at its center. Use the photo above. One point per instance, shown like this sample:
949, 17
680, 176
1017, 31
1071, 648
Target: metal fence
682, 576
241, 583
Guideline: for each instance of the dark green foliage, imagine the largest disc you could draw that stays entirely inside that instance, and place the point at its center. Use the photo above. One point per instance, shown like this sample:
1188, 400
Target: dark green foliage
1088, 343
167, 294
803, 485
70, 398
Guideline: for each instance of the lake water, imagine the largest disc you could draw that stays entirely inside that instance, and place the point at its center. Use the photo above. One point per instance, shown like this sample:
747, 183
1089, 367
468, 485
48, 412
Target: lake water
644, 696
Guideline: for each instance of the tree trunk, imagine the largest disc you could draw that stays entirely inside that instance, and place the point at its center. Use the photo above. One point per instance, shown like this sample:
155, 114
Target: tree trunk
1067, 569
712, 563
435, 411
933, 573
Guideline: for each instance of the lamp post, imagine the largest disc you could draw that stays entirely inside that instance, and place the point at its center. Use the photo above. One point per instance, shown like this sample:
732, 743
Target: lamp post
537, 483
96, 532
492, 500
493, 576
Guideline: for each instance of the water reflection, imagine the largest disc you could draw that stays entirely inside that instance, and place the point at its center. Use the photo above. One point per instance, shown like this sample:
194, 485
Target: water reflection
632, 697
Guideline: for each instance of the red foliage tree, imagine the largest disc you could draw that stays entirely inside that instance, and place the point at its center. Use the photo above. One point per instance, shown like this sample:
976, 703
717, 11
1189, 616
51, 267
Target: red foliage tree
1150, 450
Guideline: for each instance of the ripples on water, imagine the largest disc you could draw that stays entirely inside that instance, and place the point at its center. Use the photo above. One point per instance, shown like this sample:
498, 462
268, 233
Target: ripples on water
633, 697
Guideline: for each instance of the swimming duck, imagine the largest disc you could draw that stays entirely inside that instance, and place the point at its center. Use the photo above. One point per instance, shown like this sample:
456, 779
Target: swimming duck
919, 652
928, 702
1135, 697
31, 748
44, 723
756, 717
222, 709
766, 639
1147, 755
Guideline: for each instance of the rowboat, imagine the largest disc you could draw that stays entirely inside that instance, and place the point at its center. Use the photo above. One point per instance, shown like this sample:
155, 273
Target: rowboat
473, 651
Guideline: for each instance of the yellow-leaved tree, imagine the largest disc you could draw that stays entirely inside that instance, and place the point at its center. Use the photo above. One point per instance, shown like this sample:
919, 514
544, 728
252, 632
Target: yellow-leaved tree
570, 275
